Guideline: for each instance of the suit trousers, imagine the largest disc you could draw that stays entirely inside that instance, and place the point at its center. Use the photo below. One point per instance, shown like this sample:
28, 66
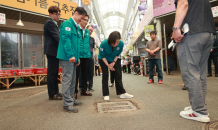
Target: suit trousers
90, 72
84, 73
52, 75
117, 77
129, 70
193, 52
78, 71
124, 68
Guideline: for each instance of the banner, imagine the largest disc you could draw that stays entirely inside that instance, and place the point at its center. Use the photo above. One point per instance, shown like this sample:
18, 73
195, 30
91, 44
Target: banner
2, 18
215, 11
41, 6
147, 31
163, 7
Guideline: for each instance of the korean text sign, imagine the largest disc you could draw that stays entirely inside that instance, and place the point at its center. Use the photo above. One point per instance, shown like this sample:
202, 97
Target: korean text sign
163, 7
41, 6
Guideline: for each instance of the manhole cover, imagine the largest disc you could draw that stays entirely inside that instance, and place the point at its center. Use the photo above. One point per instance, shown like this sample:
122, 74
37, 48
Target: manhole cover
212, 125
24, 94
179, 84
115, 106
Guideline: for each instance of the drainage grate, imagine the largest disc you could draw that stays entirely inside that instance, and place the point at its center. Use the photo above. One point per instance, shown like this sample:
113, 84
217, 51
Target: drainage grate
212, 125
115, 106
24, 94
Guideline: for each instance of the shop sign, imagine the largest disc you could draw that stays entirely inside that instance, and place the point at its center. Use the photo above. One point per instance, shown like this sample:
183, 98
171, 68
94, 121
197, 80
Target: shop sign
163, 7
146, 18
147, 31
130, 49
41, 6
215, 11
2, 18
86, 2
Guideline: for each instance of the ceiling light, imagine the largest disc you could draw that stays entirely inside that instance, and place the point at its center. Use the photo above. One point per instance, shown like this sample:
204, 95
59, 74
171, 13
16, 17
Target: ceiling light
20, 23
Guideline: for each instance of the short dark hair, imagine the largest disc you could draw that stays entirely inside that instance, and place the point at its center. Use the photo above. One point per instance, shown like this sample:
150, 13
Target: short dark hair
89, 26
127, 55
80, 10
53, 9
153, 32
113, 37
87, 16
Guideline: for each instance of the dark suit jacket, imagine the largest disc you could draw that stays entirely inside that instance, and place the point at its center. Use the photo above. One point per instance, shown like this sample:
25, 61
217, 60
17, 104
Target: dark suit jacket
51, 41
215, 48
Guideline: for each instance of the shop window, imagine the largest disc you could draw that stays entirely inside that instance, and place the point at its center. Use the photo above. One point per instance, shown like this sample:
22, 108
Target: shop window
9, 50
32, 51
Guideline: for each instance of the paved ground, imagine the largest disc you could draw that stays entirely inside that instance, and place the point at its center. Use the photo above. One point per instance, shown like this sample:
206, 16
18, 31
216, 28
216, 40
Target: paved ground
158, 107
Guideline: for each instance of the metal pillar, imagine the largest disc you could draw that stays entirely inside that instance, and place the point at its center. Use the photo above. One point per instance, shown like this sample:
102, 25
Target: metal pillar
159, 34
165, 43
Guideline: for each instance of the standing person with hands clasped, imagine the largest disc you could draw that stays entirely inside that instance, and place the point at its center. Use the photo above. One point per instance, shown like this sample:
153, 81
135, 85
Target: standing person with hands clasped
109, 51
68, 53
193, 50
153, 48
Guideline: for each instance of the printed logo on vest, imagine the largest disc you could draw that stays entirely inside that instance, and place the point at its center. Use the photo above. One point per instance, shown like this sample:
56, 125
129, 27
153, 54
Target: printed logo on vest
118, 48
67, 29
101, 49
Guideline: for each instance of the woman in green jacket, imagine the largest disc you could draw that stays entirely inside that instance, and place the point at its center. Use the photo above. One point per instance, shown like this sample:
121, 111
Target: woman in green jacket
109, 51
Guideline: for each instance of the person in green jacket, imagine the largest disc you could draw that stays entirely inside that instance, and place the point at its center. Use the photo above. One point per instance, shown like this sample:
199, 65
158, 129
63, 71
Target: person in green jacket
109, 51
68, 54
84, 55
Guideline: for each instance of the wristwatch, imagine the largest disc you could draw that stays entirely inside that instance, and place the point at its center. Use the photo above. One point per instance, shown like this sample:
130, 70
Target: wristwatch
176, 28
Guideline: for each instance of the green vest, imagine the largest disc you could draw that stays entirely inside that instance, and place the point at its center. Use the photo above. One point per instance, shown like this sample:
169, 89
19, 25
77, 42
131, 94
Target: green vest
106, 51
84, 44
69, 43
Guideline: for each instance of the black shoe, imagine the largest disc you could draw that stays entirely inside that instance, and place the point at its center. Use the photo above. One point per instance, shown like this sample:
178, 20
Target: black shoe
59, 94
216, 75
77, 103
209, 75
55, 97
184, 88
70, 109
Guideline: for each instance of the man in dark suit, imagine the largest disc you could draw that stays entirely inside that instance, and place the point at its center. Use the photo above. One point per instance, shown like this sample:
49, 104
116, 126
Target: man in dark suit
213, 56
51, 34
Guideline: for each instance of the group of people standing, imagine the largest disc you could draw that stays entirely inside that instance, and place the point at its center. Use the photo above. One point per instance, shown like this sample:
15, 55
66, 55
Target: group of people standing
72, 47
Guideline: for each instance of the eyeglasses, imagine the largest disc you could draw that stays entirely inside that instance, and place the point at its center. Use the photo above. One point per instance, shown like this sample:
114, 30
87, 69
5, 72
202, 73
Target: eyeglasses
58, 15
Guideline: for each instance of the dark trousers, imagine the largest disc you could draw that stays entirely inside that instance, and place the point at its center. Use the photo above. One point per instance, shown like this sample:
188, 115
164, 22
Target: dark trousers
97, 68
52, 75
151, 63
90, 72
78, 72
124, 68
112, 73
129, 70
117, 76
214, 58
84, 73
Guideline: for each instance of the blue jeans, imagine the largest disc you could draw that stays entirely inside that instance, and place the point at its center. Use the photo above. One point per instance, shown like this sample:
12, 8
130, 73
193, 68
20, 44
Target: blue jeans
151, 63
68, 82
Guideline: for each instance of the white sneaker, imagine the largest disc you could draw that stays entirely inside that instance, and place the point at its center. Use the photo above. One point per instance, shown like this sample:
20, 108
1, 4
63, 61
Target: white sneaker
126, 95
190, 108
187, 108
194, 116
106, 98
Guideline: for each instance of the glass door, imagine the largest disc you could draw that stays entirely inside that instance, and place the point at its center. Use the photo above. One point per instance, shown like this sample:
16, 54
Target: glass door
9, 47
32, 51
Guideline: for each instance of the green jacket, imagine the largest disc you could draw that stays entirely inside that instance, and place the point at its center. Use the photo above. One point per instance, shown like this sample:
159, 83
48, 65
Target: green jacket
68, 44
84, 44
105, 51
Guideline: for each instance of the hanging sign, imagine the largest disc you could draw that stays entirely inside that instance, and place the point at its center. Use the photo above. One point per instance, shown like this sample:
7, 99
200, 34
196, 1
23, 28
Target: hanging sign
147, 31
86, 2
2, 18
215, 11
41, 6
